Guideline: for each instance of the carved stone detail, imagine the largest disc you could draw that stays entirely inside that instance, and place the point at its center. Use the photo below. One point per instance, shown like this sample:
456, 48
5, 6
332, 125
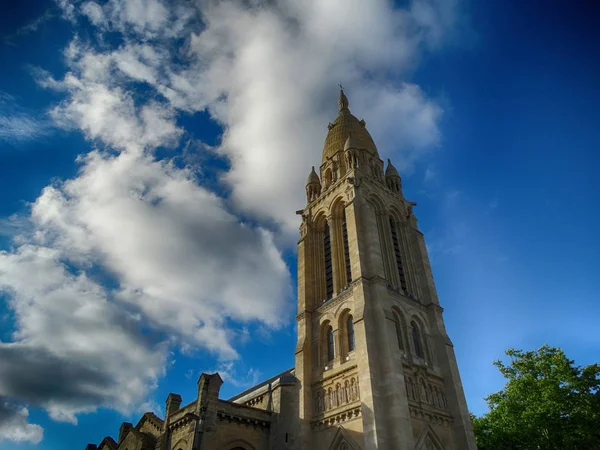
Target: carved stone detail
336, 419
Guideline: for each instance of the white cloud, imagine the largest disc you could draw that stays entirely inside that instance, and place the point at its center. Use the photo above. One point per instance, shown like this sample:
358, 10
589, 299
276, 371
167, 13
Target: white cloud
67, 8
180, 256
131, 250
94, 12
14, 425
263, 72
18, 125
19, 128
273, 89
133, 255
73, 348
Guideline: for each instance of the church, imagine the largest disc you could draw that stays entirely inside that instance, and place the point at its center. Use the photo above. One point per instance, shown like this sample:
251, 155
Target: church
374, 366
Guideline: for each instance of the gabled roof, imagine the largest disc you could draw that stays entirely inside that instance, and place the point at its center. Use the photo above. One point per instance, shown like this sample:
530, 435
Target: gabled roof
150, 416
342, 436
144, 437
429, 439
107, 443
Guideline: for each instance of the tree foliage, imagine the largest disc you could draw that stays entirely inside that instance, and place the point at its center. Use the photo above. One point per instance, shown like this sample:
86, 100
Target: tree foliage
547, 403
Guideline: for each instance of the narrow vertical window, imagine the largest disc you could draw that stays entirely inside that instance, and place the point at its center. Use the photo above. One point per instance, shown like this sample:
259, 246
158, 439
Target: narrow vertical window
350, 328
330, 349
416, 335
398, 331
396, 244
328, 265
346, 249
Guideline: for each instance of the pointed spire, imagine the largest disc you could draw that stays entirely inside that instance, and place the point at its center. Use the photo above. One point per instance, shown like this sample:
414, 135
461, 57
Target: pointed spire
313, 178
343, 101
392, 178
391, 171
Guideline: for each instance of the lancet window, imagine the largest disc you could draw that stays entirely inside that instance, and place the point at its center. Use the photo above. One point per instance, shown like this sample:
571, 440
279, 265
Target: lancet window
350, 331
398, 326
417, 341
328, 262
346, 249
336, 265
398, 255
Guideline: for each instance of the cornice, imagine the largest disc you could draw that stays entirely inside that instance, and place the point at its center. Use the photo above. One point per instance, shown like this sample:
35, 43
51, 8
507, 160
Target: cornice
247, 421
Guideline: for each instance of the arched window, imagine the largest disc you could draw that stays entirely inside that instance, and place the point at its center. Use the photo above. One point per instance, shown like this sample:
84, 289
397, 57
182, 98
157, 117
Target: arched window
398, 255
350, 328
398, 326
416, 335
330, 349
346, 249
328, 264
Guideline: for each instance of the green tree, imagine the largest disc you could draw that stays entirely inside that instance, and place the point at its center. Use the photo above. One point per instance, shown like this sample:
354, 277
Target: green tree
547, 403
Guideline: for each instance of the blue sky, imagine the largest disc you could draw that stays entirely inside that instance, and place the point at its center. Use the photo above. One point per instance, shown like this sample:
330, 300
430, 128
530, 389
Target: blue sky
123, 204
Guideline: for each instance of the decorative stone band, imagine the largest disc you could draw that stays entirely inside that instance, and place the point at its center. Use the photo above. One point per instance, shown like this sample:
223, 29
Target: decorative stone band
337, 418
419, 390
343, 393
445, 420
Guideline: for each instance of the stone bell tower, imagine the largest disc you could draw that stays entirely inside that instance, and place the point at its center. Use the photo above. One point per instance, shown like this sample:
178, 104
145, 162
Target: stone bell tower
376, 367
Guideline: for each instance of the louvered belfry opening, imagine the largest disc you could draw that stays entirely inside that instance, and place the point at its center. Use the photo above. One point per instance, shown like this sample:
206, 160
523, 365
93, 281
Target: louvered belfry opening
346, 249
328, 263
396, 244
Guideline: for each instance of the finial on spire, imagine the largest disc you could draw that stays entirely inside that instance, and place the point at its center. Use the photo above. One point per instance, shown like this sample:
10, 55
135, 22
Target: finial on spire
343, 100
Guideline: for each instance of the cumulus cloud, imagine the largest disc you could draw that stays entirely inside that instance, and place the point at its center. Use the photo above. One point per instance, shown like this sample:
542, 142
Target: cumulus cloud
180, 256
134, 254
73, 348
267, 74
14, 425
273, 88
131, 248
